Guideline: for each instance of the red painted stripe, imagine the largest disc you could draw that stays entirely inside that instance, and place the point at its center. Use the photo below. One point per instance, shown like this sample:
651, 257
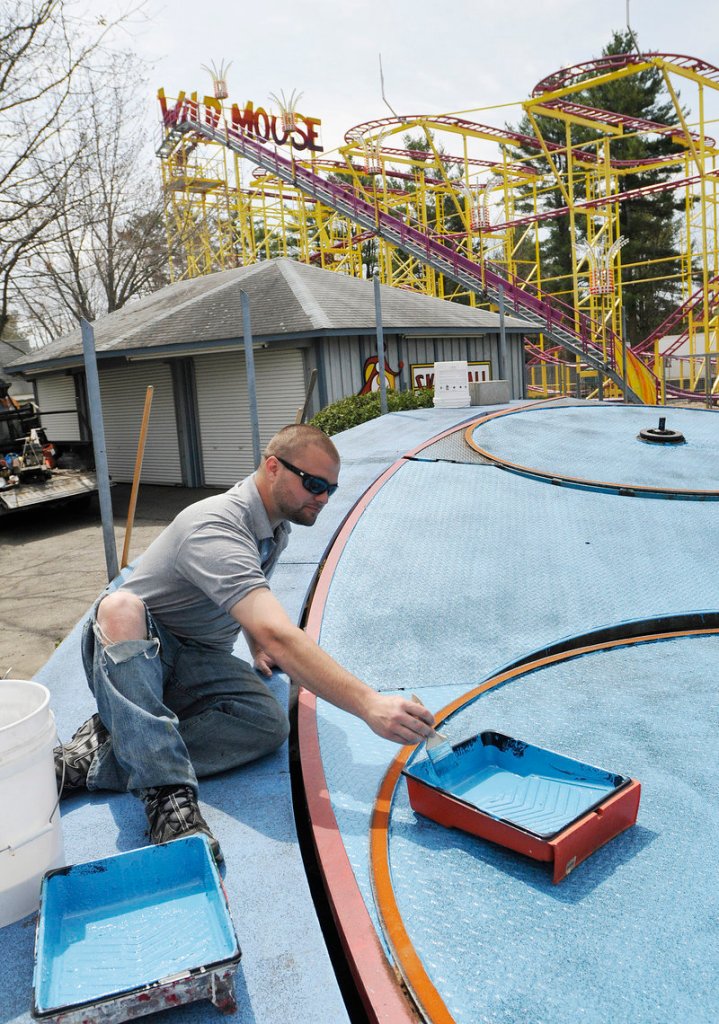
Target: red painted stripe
379, 988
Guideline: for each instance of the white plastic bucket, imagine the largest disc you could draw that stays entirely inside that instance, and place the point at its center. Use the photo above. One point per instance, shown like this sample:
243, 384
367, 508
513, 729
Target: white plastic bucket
451, 385
30, 830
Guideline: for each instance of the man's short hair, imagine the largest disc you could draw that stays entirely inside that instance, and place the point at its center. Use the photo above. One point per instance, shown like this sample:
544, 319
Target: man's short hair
291, 441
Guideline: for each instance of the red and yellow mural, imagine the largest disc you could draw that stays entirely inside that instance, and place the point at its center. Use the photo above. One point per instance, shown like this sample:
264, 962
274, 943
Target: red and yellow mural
370, 372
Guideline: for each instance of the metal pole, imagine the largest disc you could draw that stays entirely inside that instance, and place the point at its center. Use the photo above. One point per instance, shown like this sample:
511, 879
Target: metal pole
502, 339
708, 379
251, 386
624, 354
98, 443
380, 345
664, 379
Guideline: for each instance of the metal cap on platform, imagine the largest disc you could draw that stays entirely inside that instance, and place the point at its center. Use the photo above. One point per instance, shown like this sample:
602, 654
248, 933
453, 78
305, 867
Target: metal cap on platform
661, 434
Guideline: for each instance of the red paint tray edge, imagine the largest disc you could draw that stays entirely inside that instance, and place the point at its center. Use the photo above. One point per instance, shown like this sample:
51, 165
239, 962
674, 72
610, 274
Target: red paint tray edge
564, 850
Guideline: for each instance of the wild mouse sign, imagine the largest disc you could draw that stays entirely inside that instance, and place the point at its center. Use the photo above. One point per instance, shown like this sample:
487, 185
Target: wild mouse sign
250, 120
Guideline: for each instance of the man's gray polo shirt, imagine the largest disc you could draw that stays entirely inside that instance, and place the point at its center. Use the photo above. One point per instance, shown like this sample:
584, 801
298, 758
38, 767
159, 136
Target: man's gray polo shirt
211, 556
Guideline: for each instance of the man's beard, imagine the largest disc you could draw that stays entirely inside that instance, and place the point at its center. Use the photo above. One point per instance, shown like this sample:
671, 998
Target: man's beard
305, 515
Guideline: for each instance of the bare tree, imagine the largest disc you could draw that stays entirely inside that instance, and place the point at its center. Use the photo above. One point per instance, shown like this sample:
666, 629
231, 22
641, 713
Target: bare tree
108, 243
44, 45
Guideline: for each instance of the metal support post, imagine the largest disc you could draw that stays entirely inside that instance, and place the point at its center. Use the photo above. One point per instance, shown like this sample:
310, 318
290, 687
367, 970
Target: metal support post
502, 340
664, 380
624, 354
98, 444
380, 345
251, 384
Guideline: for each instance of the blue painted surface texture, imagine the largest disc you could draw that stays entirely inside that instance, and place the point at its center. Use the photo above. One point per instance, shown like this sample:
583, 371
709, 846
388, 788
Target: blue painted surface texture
455, 570
601, 443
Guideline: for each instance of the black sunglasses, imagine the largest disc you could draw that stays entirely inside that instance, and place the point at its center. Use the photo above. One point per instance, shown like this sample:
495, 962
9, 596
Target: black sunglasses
313, 484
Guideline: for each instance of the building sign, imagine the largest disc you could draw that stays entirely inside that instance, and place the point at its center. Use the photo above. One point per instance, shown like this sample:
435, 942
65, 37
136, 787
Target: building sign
370, 373
423, 373
256, 122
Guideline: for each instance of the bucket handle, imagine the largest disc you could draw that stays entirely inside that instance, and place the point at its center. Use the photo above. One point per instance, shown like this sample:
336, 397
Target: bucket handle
14, 847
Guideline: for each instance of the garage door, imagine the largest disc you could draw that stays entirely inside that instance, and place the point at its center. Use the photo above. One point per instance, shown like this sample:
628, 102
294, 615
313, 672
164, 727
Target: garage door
223, 407
123, 399
58, 393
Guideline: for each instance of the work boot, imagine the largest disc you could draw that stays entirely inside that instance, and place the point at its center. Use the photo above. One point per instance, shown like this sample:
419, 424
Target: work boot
73, 759
173, 813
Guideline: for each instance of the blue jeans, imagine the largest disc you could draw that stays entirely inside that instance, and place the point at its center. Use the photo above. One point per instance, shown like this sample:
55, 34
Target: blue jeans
175, 710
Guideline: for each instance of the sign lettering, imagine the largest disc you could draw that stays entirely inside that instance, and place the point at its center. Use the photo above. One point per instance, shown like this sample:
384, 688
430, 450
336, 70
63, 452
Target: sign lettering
422, 374
250, 120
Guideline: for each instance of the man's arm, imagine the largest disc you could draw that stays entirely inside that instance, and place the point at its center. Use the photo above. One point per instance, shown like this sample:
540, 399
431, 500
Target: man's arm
262, 617
261, 660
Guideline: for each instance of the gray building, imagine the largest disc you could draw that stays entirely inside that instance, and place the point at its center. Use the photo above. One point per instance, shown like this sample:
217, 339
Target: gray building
186, 341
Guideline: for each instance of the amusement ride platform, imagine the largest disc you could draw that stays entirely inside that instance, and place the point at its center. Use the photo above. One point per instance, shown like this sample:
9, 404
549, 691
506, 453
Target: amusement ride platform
509, 570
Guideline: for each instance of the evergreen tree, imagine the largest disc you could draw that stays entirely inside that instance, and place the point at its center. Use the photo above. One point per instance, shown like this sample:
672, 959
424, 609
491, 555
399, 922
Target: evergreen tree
648, 222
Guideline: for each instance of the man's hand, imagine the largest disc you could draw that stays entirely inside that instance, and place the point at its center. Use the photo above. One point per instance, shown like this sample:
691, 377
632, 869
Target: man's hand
263, 662
275, 640
399, 720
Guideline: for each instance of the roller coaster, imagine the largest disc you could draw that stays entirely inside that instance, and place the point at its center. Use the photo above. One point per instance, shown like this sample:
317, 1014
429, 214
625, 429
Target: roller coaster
437, 216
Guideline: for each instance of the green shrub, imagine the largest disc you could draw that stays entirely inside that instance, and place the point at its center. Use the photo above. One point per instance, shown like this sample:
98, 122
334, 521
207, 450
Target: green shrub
354, 409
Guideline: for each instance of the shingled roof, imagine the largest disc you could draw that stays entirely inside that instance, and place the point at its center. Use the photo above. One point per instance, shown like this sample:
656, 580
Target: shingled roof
10, 351
287, 300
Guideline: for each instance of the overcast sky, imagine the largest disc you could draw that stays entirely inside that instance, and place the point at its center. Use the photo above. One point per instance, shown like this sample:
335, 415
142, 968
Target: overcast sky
437, 57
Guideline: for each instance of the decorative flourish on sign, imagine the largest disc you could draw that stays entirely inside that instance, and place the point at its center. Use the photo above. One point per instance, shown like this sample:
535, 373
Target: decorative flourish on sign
288, 108
219, 78
371, 375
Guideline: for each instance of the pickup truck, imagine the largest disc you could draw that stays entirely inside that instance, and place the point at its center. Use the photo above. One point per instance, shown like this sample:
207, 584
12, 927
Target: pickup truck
35, 470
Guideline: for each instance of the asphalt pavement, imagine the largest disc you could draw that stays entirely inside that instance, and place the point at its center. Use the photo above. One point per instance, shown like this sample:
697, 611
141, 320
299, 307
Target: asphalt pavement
52, 567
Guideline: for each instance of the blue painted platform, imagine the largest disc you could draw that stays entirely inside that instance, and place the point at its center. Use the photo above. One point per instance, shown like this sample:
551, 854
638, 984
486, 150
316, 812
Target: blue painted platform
600, 442
285, 972
633, 933
453, 571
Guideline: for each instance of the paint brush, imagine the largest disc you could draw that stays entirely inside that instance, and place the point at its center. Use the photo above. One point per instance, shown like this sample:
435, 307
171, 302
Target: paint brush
437, 744
438, 749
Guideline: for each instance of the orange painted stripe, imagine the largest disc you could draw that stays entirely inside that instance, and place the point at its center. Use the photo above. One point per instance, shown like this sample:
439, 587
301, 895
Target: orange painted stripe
455, 429
408, 961
604, 484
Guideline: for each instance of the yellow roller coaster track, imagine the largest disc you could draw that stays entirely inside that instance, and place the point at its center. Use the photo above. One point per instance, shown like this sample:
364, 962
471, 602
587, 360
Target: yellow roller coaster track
422, 198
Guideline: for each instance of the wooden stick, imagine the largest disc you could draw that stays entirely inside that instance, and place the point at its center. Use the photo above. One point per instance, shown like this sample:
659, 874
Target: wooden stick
302, 411
136, 476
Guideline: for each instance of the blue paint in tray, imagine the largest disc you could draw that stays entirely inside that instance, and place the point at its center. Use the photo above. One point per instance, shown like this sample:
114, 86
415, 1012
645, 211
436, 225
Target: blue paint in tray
152, 923
531, 788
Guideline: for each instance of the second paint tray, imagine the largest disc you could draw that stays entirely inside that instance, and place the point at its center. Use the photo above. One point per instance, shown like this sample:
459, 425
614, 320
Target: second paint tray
128, 935
532, 800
